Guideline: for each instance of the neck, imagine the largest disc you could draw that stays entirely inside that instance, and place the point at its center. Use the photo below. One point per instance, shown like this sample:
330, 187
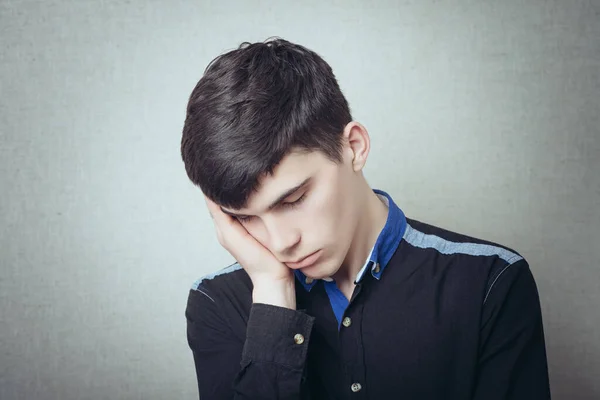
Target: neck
373, 214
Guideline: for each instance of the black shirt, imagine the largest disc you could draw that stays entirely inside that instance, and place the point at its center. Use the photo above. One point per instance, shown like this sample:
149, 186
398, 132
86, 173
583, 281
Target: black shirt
439, 316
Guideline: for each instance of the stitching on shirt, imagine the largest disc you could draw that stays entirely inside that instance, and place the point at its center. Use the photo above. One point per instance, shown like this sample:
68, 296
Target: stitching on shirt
206, 294
422, 240
512, 261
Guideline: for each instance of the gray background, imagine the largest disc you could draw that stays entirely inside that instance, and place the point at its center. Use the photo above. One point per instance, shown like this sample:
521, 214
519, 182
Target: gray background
483, 117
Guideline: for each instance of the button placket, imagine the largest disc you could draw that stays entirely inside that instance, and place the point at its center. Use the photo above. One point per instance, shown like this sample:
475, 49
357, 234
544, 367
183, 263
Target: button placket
352, 351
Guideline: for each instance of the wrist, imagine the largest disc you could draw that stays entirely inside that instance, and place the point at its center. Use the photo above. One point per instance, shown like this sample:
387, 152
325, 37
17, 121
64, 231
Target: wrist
276, 292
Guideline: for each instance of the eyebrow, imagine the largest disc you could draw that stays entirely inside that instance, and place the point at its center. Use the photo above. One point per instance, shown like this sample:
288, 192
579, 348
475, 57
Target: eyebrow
277, 202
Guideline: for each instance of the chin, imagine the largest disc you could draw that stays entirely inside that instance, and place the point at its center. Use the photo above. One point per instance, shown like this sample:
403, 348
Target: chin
315, 275
319, 271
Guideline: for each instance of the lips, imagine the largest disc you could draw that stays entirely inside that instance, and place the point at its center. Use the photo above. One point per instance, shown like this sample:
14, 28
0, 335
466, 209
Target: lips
306, 261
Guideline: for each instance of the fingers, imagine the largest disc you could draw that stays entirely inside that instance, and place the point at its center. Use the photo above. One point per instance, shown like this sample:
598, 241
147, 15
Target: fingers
252, 255
227, 228
218, 216
212, 207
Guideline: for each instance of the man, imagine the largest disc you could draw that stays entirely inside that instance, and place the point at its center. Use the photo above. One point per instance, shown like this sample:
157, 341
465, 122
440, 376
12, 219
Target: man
335, 293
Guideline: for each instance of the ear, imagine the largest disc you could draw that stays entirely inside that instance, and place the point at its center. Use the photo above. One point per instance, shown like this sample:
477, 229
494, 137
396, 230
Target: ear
358, 144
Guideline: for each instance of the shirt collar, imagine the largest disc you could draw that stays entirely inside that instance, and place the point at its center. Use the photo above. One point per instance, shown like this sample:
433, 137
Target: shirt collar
387, 242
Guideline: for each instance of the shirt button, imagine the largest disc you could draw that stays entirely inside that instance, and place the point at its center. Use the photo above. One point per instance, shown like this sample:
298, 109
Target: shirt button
347, 322
377, 268
298, 338
356, 387
309, 281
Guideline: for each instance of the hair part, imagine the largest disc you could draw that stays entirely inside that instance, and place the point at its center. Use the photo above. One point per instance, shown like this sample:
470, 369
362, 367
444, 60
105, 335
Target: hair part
252, 107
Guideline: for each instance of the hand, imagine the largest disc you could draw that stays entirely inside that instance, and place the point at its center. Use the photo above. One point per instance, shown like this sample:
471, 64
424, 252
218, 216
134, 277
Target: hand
273, 281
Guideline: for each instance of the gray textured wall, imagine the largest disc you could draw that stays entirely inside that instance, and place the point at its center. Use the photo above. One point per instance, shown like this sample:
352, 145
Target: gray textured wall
483, 116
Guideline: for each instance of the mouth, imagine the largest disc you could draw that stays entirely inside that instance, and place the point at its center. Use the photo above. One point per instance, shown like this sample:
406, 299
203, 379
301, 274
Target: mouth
306, 261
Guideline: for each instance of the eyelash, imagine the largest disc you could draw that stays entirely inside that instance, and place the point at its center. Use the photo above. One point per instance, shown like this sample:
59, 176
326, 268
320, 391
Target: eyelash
295, 203
283, 205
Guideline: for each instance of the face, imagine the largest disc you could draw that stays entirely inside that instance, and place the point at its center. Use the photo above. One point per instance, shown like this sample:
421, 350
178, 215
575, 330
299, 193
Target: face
306, 213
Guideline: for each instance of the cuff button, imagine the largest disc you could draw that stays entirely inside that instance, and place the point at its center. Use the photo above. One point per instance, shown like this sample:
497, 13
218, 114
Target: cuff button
356, 387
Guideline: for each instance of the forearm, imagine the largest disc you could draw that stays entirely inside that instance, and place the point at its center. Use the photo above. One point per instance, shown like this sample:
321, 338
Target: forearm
274, 354
269, 363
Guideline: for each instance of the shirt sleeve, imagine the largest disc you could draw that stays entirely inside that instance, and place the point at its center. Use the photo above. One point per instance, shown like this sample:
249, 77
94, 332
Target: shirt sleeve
268, 363
512, 361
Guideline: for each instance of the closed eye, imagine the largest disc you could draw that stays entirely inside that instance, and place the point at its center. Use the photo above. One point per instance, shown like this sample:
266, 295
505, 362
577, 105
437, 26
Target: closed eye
287, 205
294, 203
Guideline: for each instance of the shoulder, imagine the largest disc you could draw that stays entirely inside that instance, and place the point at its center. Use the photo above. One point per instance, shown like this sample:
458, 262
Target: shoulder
465, 255
225, 281
422, 235
227, 292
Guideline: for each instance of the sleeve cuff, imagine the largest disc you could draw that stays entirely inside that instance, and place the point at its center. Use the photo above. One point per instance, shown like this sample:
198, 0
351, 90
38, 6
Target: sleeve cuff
277, 334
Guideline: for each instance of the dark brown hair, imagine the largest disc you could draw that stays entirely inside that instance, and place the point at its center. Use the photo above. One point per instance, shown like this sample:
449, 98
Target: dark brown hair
252, 107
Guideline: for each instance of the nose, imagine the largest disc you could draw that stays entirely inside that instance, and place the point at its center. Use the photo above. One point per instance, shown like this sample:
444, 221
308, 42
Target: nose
283, 237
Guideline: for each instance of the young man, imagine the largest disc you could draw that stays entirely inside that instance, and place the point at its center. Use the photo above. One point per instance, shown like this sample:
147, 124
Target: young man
335, 293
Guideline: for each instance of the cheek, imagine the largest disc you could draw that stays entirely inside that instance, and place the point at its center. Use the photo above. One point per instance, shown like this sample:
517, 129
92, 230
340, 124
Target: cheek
324, 217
